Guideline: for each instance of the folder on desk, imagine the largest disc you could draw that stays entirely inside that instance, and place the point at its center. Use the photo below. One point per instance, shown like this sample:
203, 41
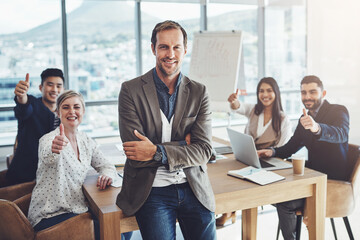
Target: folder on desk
256, 175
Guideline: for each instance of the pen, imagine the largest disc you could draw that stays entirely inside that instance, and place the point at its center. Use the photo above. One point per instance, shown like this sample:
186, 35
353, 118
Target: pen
120, 175
254, 171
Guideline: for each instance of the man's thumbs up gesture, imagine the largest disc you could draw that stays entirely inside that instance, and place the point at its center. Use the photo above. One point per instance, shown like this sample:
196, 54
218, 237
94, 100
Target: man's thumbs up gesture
309, 123
59, 141
21, 90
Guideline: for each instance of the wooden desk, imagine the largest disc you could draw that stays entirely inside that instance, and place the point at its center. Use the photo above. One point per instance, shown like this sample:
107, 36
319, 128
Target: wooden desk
231, 194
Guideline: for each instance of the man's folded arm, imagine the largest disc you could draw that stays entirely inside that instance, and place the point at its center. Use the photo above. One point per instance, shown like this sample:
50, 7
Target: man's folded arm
199, 151
128, 122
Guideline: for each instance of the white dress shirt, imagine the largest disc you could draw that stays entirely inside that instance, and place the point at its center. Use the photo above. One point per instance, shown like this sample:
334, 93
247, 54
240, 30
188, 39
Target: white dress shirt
286, 127
163, 176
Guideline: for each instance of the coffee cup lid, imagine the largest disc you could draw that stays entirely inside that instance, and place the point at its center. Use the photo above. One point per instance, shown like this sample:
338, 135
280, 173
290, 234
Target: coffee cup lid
298, 156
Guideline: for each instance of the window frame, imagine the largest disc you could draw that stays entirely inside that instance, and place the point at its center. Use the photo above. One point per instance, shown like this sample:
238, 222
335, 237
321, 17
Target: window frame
203, 27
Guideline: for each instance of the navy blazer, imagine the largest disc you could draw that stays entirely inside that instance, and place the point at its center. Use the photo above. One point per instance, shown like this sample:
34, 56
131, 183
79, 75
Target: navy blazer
327, 151
34, 120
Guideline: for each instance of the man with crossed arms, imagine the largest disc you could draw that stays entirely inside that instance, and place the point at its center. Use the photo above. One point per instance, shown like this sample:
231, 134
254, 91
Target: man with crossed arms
324, 131
165, 177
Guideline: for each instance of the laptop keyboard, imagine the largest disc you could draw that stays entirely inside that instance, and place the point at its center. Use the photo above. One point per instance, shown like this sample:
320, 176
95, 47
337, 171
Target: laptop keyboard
265, 164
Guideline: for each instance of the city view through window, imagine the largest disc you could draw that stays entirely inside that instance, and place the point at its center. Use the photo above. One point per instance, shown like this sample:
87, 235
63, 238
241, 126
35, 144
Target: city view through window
102, 50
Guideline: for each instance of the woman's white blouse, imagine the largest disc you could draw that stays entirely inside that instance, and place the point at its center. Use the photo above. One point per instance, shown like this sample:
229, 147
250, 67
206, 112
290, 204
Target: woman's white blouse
286, 126
60, 177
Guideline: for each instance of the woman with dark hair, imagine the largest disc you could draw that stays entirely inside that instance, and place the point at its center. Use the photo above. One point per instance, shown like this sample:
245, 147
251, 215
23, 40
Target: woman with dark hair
267, 124
266, 112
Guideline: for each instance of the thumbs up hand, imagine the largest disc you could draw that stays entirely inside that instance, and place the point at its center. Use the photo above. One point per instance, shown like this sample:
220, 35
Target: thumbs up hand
21, 90
60, 141
233, 100
309, 123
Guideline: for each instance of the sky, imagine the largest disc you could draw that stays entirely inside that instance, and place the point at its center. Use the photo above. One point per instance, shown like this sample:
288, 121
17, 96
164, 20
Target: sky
188, 10
22, 15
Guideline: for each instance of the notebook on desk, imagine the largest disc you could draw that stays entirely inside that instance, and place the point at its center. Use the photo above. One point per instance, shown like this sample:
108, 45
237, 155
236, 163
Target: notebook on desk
256, 175
244, 150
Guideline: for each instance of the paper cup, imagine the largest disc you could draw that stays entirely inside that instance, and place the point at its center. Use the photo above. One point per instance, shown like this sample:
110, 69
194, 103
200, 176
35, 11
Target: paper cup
298, 162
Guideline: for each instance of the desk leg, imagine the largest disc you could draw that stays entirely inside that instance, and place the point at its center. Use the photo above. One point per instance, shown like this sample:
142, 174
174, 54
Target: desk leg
315, 210
249, 222
110, 227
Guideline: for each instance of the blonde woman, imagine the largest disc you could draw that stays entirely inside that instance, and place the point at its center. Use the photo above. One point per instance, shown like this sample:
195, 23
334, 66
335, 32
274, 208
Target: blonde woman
65, 156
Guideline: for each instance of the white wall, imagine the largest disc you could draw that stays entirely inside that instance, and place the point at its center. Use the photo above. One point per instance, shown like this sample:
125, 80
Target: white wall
334, 53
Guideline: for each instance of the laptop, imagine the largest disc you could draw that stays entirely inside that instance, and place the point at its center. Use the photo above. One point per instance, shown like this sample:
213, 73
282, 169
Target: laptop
244, 150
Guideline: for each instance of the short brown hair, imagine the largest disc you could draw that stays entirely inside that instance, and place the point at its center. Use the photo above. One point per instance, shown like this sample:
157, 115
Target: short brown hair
167, 25
313, 79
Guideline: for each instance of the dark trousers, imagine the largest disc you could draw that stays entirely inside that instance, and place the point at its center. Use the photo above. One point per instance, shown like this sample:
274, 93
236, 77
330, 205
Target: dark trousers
287, 217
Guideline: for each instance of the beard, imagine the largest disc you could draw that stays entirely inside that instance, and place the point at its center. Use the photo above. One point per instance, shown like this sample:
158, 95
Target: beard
166, 72
315, 105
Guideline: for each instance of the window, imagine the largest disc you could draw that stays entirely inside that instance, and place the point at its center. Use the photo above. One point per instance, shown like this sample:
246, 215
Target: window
169, 11
101, 41
30, 41
228, 17
285, 52
101, 52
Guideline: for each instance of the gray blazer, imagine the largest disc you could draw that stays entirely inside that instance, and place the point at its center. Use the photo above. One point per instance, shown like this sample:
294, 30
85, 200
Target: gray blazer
139, 109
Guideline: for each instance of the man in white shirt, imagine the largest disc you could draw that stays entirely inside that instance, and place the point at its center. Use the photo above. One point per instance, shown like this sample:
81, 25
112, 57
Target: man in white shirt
164, 177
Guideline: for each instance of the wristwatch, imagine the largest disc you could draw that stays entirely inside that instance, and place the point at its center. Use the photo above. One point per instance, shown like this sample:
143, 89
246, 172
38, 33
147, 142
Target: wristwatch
158, 154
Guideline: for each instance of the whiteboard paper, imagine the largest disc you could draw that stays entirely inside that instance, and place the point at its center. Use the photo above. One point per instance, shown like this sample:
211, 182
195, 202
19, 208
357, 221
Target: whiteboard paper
215, 62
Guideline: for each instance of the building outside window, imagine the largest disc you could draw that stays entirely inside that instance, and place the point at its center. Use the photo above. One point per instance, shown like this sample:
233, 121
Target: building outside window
285, 52
30, 41
101, 56
101, 41
151, 15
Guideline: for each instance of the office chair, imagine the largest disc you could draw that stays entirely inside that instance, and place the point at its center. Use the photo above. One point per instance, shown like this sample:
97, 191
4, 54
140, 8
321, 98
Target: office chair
9, 158
15, 226
341, 196
12, 192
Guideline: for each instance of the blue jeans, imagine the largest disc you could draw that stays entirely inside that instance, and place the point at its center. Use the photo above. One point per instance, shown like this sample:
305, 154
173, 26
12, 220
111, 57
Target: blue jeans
157, 217
287, 217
